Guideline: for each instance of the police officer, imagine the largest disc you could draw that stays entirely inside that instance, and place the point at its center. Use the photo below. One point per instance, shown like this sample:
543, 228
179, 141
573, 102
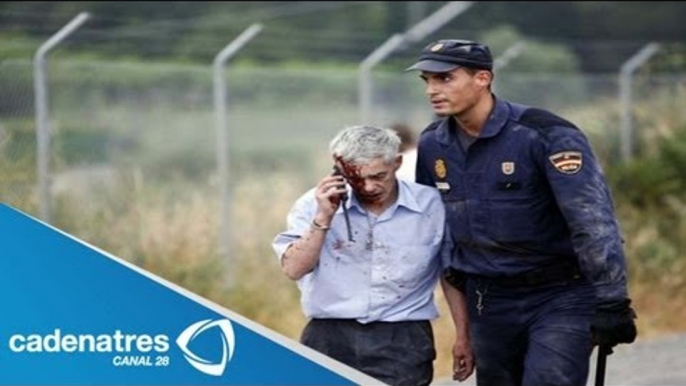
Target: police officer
539, 252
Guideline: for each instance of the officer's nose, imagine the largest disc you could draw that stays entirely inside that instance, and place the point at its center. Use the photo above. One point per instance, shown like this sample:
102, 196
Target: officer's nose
430, 89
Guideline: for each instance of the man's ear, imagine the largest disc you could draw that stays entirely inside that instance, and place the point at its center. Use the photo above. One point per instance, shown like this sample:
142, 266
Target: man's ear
397, 162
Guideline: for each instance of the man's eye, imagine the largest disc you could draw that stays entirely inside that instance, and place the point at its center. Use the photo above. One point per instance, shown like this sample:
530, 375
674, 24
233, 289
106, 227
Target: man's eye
446, 78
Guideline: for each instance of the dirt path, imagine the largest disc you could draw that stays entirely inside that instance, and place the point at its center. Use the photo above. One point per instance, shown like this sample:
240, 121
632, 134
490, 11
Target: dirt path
658, 362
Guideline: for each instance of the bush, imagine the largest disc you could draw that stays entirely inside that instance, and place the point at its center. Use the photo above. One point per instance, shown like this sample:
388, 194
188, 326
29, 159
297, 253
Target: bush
645, 182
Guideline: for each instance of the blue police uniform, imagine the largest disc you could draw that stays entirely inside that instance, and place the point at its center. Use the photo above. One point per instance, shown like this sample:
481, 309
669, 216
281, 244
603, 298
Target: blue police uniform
535, 233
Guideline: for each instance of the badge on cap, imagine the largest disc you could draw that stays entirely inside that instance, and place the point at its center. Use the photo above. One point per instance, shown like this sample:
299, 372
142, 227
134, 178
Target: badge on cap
436, 47
440, 169
567, 162
508, 168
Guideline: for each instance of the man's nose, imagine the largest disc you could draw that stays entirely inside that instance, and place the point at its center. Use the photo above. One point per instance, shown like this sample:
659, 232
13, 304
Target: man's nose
368, 186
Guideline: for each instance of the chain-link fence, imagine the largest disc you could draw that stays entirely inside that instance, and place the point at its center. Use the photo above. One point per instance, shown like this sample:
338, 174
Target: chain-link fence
125, 136
133, 158
17, 136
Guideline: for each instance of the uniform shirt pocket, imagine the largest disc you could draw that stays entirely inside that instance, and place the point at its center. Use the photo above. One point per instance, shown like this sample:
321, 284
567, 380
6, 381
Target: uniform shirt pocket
457, 215
511, 211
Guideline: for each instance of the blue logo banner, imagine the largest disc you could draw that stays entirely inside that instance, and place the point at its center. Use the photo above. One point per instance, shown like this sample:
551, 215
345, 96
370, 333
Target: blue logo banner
71, 314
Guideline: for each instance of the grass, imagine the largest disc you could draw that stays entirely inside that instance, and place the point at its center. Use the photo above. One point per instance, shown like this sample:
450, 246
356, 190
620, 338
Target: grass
175, 236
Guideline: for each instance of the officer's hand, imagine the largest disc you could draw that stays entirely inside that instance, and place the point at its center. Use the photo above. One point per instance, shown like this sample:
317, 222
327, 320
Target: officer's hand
613, 324
463, 360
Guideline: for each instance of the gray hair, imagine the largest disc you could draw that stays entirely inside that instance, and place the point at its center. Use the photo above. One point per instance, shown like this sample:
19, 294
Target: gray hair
362, 144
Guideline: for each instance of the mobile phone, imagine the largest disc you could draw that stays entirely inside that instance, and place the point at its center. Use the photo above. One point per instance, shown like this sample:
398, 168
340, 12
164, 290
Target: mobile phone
337, 172
344, 197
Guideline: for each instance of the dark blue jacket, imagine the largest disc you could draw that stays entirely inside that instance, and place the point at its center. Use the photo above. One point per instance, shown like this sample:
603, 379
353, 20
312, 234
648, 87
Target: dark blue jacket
528, 193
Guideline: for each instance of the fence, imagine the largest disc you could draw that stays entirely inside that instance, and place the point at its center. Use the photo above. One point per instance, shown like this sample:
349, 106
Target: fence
126, 137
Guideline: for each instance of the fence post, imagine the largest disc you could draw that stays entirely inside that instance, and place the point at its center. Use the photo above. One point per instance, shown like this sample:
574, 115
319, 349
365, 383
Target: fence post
43, 131
425, 27
504, 59
626, 74
219, 86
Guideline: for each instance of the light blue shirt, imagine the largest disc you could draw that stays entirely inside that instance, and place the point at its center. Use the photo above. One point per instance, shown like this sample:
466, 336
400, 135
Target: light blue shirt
394, 279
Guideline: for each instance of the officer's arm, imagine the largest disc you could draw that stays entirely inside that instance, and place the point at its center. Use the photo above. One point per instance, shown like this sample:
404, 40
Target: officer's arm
583, 197
422, 172
463, 359
452, 283
458, 308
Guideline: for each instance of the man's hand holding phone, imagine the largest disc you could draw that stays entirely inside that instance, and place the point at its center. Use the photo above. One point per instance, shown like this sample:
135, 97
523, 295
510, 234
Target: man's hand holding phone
329, 194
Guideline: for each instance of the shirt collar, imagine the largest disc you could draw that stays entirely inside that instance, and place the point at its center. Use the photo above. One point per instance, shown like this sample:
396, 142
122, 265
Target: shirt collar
406, 197
496, 121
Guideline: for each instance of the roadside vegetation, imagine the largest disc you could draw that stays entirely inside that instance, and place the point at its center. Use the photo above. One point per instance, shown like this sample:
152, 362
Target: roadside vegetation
157, 202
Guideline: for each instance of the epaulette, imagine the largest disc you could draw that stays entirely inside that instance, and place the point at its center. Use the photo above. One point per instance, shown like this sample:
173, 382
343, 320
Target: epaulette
542, 120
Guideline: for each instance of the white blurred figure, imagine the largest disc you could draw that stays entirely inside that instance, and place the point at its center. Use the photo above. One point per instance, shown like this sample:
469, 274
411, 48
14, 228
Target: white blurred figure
408, 149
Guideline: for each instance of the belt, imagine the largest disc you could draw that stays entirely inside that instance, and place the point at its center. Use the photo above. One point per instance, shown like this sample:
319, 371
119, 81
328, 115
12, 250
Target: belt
549, 274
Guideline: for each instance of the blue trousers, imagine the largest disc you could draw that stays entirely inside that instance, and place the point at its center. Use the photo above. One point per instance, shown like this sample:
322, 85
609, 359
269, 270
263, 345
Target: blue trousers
533, 336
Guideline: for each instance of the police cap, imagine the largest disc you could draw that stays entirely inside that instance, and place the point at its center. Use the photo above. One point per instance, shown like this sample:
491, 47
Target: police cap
447, 55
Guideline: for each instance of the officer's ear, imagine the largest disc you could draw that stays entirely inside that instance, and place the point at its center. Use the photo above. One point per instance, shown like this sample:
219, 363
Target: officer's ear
483, 78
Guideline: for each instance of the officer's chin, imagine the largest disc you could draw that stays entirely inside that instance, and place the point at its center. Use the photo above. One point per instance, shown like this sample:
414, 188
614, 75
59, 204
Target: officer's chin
441, 113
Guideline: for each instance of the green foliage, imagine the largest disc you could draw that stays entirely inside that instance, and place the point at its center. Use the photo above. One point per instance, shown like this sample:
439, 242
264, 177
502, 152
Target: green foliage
650, 195
267, 86
87, 145
17, 163
103, 82
644, 183
323, 31
17, 45
674, 155
647, 181
530, 59
535, 55
17, 97
98, 83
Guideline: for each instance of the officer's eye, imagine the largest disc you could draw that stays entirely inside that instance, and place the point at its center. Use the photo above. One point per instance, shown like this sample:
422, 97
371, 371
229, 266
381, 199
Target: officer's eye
445, 78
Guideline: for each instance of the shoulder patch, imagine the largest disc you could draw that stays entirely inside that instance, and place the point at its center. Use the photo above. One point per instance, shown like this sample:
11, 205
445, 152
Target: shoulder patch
567, 162
541, 120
